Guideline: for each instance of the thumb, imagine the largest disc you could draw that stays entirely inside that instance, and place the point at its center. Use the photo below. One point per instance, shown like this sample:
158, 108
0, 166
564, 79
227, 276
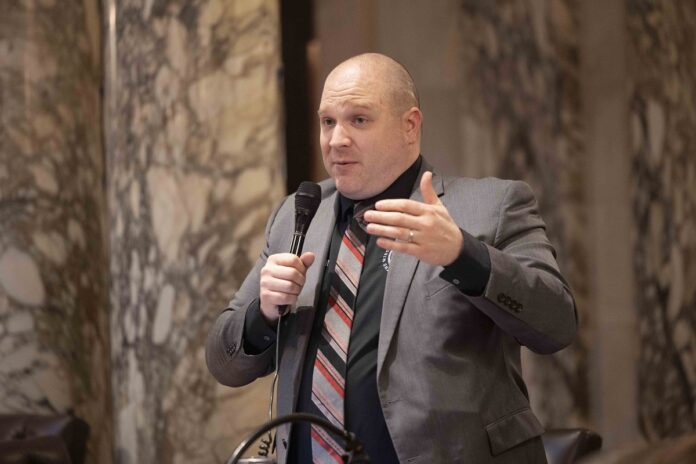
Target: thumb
427, 190
307, 259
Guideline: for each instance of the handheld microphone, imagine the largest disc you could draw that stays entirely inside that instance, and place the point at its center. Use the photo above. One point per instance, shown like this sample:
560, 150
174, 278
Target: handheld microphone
307, 201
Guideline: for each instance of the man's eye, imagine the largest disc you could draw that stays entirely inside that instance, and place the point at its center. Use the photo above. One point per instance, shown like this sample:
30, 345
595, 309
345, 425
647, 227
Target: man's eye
327, 122
360, 120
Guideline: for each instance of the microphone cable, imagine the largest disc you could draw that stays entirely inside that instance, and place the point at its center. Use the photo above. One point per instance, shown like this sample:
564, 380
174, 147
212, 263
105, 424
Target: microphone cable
268, 444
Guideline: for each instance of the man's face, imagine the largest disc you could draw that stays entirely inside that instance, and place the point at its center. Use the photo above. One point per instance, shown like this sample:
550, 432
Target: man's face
363, 139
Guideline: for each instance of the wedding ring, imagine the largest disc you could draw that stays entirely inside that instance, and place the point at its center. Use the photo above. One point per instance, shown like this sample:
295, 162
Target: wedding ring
410, 236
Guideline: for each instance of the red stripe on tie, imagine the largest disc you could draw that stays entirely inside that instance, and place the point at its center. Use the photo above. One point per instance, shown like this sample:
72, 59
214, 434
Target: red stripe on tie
353, 249
330, 367
331, 413
345, 278
332, 299
342, 314
329, 449
327, 375
340, 310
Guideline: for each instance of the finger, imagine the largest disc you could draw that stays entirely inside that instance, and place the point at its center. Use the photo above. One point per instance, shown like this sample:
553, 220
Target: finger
270, 297
282, 286
427, 190
287, 259
412, 207
392, 219
284, 273
404, 247
396, 233
307, 259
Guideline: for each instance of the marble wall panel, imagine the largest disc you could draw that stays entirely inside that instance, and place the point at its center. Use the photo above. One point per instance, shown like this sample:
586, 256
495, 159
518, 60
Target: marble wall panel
521, 119
194, 169
54, 337
663, 117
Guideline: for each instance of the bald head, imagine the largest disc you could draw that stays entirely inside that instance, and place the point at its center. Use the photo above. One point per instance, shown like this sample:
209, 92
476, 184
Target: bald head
369, 124
384, 73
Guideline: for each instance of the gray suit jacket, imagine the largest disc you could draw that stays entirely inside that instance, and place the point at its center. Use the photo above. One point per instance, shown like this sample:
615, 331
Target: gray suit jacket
448, 365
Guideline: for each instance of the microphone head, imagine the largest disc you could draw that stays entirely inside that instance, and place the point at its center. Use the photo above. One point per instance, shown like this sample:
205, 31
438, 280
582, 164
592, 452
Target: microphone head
307, 200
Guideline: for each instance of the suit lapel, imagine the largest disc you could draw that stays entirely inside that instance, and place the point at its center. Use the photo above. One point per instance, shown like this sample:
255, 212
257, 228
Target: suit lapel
399, 279
317, 241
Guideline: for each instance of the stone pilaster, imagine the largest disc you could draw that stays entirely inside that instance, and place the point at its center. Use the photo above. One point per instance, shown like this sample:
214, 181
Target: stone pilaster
194, 169
663, 117
521, 119
54, 338
612, 328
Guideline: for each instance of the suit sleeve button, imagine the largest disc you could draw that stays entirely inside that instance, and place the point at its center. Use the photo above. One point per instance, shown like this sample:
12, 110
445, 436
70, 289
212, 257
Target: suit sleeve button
455, 281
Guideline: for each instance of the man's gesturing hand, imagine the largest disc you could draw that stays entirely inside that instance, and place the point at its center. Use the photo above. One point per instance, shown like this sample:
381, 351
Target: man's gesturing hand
424, 230
282, 279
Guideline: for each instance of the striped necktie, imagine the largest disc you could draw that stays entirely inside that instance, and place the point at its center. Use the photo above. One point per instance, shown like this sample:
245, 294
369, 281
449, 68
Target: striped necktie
328, 377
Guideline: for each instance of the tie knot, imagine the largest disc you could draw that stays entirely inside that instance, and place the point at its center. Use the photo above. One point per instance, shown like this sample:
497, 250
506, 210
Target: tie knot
359, 210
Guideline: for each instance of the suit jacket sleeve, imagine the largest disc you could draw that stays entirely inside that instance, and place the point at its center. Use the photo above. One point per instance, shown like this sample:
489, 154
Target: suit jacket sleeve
224, 349
526, 294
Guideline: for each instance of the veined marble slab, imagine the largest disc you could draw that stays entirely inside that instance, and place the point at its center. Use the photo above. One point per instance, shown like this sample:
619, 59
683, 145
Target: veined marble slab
663, 117
522, 120
194, 168
54, 337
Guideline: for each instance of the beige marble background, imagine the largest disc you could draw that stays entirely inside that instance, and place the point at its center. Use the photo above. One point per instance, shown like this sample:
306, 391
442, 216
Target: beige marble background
663, 152
193, 131
521, 119
54, 336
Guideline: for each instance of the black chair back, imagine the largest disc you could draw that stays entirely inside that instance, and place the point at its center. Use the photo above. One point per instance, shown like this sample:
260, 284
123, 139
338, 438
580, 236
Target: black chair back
567, 446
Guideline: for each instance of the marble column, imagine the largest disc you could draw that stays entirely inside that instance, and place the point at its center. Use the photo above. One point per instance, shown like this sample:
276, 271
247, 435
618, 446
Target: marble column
521, 119
663, 117
193, 141
612, 328
54, 337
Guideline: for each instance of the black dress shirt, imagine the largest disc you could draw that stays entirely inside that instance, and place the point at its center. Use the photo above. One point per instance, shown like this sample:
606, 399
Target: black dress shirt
363, 412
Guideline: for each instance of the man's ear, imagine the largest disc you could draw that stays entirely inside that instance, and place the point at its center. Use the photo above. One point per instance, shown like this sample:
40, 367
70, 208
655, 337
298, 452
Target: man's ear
412, 121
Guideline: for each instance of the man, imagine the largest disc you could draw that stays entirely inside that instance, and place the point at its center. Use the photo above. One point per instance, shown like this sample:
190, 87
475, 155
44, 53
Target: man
407, 330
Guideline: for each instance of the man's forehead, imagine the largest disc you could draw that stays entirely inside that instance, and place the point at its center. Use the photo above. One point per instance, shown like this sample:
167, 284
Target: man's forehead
351, 93
347, 102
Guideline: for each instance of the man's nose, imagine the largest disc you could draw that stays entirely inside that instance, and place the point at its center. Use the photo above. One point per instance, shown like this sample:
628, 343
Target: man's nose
339, 137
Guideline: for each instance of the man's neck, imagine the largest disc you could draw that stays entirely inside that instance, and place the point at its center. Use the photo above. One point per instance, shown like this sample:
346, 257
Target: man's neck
400, 188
